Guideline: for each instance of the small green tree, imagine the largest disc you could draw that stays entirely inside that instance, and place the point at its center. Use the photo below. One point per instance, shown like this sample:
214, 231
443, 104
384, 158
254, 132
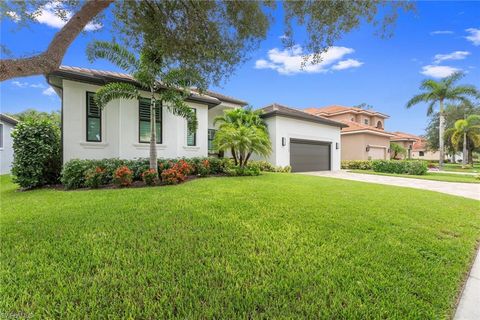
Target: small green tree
147, 70
465, 133
37, 157
439, 92
397, 150
243, 132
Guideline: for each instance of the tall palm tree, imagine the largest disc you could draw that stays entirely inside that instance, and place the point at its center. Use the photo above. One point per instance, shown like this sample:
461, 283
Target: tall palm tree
439, 92
147, 70
466, 131
243, 132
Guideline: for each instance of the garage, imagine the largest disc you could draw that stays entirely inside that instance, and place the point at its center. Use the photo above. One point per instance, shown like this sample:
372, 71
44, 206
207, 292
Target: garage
310, 155
375, 153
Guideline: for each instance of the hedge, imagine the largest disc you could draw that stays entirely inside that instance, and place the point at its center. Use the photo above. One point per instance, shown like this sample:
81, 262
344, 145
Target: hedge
413, 167
37, 158
357, 164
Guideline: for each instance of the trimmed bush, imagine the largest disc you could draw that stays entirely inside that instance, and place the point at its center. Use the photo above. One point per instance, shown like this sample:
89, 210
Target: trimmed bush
37, 158
413, 167
248, 170
94, 177
150, 177
357, 164
123, 176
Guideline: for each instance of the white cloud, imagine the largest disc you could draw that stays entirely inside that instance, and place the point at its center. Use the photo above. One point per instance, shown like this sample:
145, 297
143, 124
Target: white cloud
47, 16
293, 60
438, 71
474, 36
438, 32
456, 55
346, 64
37, 85
49, 91
20, 84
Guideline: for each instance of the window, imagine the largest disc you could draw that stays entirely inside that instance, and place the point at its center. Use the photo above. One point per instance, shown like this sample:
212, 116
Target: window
365, 121
421, 153
211, 136
144, 121
94, 119
379, 125
191, 135
1, 135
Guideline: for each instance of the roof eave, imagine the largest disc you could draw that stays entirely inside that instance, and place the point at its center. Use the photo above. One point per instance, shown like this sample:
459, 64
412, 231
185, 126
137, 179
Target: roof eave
304, 118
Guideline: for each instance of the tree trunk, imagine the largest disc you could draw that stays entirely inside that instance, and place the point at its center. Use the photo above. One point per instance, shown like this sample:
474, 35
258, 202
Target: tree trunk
248, 157
465, 152
51, 59
234, 155
153, 135
441, 138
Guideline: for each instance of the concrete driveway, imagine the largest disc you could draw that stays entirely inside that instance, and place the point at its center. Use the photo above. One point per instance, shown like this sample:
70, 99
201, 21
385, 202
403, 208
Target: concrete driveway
467, 190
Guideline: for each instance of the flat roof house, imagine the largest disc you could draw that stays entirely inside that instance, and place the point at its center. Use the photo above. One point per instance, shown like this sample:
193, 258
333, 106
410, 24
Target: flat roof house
364, 137
122, 129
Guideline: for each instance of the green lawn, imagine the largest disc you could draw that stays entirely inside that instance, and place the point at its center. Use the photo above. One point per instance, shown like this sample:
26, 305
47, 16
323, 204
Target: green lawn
274, 246
437, 176
457, 167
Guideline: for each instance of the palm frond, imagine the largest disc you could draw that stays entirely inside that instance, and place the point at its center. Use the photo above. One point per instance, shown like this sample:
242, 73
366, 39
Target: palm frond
115, 90
175, 103
114, 53
463, 90
423, 97
454, 77
430, 85
431, 108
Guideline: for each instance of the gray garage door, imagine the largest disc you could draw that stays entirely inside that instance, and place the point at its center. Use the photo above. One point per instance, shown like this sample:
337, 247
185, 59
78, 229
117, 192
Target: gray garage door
308, 155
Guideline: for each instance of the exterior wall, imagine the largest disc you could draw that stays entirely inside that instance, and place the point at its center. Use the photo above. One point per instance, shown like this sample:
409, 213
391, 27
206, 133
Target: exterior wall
354, 146
282, 127
120, 129
6, 152
343, 117
407, 145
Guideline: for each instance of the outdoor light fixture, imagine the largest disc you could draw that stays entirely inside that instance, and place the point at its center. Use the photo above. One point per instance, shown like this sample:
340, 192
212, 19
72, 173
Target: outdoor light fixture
337, 145
368, 148
284, 141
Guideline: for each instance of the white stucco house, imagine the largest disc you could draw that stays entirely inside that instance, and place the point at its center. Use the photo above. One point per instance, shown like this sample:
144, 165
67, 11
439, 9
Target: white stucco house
121, 129
7, 124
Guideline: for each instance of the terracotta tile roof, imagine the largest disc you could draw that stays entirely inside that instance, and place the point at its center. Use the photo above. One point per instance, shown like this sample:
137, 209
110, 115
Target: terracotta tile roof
399, 136
355, 126
281, 110
336, 109
102, 75
420, 145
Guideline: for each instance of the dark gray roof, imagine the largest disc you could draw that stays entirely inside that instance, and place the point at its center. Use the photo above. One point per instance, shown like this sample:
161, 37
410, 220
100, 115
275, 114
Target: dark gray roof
8, 119
279, 110
101, 77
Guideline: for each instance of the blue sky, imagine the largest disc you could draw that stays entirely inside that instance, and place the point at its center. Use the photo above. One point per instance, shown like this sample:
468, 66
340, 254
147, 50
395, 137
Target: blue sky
362, 68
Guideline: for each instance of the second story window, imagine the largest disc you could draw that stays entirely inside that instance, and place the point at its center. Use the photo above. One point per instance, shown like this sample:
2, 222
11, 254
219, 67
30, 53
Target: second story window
144, 121
191, 135
94, 119
365, 121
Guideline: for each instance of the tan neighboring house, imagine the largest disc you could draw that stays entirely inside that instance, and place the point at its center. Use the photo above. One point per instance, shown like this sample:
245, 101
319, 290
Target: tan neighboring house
405, 140
365, 137
420, 151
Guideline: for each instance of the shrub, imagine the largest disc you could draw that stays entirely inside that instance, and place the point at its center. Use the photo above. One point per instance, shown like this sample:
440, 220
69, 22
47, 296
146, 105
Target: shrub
94, 177
123, 176
286, 169
150, 177
176, 173
412, 167
247, 170
37, 158
203, 168
263, 165
357, 164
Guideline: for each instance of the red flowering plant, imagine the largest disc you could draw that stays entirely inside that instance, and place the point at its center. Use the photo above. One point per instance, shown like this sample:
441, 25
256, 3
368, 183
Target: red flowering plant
123, 176
203, 168
94, 177
150, 177
176, 173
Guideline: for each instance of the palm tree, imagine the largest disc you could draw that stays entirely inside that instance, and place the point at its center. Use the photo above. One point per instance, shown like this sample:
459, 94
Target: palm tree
439, 92
147, 71
466, 131
243, 132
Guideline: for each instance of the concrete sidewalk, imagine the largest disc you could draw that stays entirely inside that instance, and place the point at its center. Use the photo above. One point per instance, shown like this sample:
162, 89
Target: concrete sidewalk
467, 190
469, 306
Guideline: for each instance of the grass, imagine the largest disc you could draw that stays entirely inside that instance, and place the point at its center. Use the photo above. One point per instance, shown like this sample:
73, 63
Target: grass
274, 246
456, 167
436, 176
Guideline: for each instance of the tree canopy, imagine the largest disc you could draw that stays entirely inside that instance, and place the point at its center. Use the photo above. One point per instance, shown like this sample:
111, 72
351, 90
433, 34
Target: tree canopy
210, 36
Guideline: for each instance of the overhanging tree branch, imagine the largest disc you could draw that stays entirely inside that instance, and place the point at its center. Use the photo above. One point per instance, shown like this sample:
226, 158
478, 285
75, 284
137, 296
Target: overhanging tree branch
51, 59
